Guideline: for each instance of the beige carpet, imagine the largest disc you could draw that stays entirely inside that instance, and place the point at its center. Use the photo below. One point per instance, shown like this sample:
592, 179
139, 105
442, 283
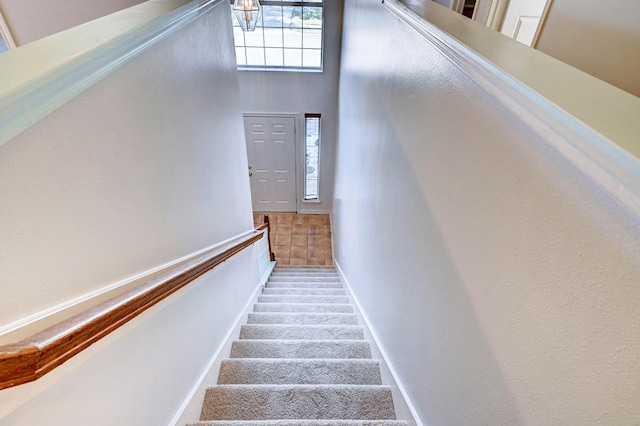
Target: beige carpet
301, 359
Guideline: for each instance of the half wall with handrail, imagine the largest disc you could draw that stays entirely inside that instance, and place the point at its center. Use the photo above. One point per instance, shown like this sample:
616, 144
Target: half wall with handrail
122, 179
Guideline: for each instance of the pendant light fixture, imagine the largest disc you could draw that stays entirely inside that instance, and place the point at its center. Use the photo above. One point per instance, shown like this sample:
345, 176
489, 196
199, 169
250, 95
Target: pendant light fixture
247, 12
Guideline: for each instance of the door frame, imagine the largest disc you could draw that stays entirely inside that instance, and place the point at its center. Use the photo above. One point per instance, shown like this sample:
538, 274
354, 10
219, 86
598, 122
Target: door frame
543, 19
498, 10
296, 138
5, 31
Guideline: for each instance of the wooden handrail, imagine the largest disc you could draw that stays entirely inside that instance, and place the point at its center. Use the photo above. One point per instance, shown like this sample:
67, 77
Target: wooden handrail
267, 225
43, 351
266, 221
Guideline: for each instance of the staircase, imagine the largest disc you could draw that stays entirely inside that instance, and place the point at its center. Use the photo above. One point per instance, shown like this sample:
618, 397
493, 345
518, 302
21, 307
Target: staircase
301, 360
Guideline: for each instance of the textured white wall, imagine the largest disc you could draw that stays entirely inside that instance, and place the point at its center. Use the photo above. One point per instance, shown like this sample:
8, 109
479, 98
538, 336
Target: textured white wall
140, 374
601, 38
305, 92
30, 20
145, 167
501, 281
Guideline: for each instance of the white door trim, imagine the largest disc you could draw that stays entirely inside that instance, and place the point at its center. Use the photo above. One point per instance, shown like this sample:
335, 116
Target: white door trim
497, 10
5, 31
543, 19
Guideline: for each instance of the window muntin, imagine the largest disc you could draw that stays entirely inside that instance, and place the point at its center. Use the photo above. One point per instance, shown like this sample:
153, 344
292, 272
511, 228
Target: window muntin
288, 37
312, 157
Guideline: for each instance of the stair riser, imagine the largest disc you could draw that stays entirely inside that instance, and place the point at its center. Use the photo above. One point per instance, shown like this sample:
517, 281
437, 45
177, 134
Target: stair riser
302, 277
300, 423
303, 285
303, 307
302, 299
303, 319
301, 332
306, 280
305, 291
262, 402
327, 268
301, 360
312, 276
357, 349
304, 372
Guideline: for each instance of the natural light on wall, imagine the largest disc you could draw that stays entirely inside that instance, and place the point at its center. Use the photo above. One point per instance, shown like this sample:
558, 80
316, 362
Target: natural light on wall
6, 41
312, 157
288, 36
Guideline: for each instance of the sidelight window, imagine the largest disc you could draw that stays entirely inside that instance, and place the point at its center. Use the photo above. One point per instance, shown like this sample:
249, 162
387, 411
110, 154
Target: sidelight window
312, 157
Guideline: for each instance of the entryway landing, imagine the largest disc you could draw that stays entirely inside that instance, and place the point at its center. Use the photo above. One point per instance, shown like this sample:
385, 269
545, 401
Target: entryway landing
299, 239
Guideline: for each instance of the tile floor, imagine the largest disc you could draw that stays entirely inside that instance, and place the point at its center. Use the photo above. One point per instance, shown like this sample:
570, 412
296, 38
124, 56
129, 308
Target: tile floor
299, 239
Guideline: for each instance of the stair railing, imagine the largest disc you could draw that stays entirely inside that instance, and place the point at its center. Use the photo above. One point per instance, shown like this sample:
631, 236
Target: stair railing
272, 255
46, 349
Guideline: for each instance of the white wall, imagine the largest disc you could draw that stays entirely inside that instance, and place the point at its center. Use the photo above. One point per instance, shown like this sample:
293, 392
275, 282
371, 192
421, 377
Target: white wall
305, 92
147, 166
140, 374
501, 281
30, 20
598, 37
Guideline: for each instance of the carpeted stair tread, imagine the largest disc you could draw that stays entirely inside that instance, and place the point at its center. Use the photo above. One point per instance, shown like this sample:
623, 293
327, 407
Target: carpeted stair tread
302, 332
302, 277
304, 307
306, 291
303, 268
300, 360
299, 371
309, 279
302, 284
267, 402
319, 272
268, 298
347, 349
300, 422
301, 318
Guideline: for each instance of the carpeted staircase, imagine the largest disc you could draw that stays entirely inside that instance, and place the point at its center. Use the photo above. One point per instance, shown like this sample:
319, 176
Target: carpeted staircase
301, 360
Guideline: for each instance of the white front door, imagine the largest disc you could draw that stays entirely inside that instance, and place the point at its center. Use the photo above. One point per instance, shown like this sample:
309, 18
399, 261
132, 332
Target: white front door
271, 150
522, 18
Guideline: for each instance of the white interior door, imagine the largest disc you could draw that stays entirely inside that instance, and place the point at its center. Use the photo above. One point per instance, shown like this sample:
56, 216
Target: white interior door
271, 150
522, 18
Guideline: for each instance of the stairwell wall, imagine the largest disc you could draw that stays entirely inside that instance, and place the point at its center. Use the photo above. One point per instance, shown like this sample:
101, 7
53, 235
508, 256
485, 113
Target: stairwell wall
500, 280
145, 167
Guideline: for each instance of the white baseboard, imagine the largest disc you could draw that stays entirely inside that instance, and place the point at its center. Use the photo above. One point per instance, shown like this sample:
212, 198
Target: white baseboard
404, 407
190, 409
